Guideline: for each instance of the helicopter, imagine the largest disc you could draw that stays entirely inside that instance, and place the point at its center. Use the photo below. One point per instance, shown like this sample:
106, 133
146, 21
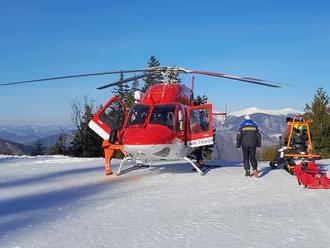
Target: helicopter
164, 124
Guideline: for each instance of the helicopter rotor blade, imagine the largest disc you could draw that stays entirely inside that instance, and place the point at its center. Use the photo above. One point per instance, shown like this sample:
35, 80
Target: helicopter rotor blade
243, 79
123, 81
150, 70
76, 76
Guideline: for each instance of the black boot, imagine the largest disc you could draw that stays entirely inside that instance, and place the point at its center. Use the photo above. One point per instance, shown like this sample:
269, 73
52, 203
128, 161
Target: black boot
247, 173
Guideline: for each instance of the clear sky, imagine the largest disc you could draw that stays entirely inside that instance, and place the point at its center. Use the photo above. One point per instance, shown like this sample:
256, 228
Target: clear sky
285, 41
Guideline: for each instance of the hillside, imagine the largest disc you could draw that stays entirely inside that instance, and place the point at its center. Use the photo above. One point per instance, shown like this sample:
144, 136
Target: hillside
49, 141
30, 134
8, 147
271, 124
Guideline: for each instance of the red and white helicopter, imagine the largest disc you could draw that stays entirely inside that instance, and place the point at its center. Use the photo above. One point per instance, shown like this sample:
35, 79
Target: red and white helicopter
164, 123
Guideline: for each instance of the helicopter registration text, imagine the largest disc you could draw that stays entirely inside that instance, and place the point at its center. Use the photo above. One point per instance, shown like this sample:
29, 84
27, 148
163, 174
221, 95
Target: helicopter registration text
201, 142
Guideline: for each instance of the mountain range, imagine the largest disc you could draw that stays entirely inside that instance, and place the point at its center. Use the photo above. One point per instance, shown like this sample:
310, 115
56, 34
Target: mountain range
270, 122
8, 147
22, 139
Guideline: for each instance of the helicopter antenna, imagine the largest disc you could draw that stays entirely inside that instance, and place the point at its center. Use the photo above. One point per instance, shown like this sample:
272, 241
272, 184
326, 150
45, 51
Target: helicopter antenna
193, 83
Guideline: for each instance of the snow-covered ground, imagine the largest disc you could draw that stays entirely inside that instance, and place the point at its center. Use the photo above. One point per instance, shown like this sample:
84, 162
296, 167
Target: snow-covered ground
67, 202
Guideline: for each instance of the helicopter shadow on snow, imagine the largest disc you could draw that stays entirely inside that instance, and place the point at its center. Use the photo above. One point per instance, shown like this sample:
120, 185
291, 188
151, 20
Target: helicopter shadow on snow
186, 168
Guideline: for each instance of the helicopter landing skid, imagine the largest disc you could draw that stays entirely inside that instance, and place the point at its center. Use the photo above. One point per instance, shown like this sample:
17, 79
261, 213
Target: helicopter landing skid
122, 163
194, 165
137, 166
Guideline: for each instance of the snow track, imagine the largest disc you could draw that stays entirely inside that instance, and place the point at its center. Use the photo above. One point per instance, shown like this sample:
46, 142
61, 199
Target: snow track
66, 202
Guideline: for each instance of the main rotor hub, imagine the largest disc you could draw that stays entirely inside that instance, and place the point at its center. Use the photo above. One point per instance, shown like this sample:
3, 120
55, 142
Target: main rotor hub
170, 74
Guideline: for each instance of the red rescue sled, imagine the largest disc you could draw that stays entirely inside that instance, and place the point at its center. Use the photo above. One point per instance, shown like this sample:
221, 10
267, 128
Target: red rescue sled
310, 175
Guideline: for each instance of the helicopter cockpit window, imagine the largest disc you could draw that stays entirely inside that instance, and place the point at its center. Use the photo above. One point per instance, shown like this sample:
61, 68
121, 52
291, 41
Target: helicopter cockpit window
163, 115
114, 115
199, 120
138, 114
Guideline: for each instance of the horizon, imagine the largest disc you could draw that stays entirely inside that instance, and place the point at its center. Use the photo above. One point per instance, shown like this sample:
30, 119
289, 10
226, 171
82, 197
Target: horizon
278, 41
234, 113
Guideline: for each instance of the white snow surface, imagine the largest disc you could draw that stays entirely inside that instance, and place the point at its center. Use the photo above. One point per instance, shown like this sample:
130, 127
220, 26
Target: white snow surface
254, 110
66, 202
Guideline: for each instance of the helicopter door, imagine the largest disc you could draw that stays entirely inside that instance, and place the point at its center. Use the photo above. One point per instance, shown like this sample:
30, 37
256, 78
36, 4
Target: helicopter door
200, 125
109, 119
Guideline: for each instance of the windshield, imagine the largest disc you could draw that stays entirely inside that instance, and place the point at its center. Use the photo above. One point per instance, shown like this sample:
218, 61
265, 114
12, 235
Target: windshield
114, 115
199, 120
163, 115
138, 115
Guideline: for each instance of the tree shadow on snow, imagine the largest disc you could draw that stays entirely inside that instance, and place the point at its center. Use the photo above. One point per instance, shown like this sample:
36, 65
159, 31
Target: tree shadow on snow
11, 159
48, 176
23, 211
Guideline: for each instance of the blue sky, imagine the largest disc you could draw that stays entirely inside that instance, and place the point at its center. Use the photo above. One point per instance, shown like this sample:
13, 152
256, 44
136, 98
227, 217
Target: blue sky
285, 41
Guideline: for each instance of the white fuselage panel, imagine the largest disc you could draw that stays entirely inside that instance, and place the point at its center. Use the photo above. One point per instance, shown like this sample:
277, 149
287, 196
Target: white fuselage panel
158, 152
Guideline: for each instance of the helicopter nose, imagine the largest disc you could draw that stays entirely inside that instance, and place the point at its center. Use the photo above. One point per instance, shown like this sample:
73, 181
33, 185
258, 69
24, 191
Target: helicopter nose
152, 143
149, 135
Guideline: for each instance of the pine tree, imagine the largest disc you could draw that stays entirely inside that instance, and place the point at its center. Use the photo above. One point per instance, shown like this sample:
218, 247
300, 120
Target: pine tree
59, 147
123, 91
85, 143
319, 113
200, 100
38, 149
152, 78
130, 100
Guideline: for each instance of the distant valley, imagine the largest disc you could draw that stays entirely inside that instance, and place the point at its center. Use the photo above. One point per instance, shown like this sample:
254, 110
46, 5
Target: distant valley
19, 140
271, 124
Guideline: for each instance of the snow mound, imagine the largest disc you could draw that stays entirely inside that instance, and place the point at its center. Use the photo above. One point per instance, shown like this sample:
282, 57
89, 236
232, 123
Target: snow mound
254, 110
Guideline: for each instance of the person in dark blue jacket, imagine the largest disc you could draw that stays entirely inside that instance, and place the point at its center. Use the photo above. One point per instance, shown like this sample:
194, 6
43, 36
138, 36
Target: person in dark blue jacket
249, 138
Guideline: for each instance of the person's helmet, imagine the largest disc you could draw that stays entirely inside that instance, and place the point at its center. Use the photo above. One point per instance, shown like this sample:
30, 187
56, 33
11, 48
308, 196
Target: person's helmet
247, 117
301, 128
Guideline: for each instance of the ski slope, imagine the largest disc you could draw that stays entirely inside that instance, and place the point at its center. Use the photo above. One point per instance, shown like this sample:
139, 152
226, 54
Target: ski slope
68, 202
